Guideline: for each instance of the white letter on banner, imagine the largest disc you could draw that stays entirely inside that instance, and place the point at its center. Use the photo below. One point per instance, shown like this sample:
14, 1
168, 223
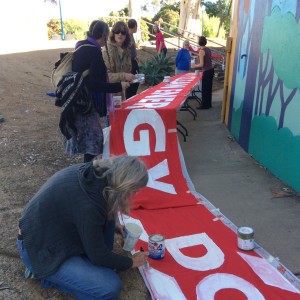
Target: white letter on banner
157, 172
142, 147
163, 286
149, 105
210, 285
156, 104
213, 259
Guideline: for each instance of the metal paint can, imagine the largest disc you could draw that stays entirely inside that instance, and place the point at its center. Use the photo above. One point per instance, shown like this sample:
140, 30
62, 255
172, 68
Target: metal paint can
156, 247
245, 238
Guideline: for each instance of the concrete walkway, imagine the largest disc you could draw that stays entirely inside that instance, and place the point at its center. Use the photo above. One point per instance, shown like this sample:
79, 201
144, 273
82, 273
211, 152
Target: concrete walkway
240, 187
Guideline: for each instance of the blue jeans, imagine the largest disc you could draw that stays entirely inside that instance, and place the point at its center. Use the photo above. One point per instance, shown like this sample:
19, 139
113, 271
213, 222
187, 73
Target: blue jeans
78, 277
177, 72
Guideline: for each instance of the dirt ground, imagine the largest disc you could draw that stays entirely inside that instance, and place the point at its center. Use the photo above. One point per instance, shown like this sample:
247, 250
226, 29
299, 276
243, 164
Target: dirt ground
30, 153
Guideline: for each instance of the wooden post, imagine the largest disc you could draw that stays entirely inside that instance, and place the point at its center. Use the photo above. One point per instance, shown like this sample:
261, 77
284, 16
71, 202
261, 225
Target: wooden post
225, 96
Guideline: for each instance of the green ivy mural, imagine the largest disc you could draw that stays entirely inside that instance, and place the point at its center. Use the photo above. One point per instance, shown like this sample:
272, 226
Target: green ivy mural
279, 152
265, 97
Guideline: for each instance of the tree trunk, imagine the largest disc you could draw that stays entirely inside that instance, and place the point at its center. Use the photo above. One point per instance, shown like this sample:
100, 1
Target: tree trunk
189, 17
221, 17
134, 8
255, 35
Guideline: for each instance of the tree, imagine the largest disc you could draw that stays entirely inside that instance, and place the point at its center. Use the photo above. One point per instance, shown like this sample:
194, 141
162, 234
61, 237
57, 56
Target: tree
51, 1
247, 61
189, 17
225, 12
221, 9
53, 27
120, 15
211, 8
278, 73
168, 14
156, 5
267, 73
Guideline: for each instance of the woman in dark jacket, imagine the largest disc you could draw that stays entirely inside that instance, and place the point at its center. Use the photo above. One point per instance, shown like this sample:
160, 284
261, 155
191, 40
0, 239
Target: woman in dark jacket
89, 137
67, 229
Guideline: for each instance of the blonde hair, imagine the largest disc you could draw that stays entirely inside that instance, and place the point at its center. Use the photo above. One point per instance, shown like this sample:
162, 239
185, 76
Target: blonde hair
124, 175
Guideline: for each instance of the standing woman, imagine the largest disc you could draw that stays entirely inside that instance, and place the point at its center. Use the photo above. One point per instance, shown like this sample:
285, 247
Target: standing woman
208, 73
89, 137
159, 41
132, 90
117, 55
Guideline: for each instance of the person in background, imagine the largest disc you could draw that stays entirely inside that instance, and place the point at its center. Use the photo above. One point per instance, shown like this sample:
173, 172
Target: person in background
159, 41
183, 59
117, 56
205, 63
132, 90
89, 137
67, 229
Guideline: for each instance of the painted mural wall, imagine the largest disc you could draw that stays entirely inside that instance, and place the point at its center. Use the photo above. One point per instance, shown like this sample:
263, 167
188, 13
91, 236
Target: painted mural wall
264, 114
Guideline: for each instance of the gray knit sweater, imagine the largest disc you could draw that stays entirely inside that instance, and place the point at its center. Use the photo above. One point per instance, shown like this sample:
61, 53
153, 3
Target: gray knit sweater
65, 218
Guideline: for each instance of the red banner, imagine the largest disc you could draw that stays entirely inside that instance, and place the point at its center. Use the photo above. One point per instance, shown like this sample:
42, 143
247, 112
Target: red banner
202, 259
139, 130
195, 49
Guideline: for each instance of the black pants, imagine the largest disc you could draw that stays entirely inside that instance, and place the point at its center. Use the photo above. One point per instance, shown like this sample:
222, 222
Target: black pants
88, 157
207, 81
132, 89
164, 51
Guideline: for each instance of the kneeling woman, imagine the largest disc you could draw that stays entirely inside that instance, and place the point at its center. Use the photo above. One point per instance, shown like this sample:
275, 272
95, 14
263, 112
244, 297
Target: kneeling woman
67, 229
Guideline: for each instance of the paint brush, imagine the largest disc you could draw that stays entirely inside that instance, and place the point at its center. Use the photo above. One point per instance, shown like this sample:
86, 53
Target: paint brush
146, 263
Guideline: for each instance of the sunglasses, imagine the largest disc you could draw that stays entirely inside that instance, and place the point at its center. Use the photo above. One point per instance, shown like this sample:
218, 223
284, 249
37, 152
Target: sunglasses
123, 32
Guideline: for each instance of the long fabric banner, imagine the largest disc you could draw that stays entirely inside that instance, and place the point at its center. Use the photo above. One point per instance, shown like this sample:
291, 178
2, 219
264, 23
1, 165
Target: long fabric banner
202, 260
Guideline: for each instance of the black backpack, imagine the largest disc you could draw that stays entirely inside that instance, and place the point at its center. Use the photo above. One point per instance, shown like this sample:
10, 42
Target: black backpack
72, 96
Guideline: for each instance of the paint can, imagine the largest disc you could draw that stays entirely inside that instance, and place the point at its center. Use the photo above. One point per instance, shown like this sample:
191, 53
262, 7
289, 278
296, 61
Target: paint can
156, 247
245, 238
117, 101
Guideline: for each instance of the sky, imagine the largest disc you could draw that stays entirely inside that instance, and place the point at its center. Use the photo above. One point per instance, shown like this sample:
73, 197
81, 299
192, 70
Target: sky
87, 9
79, 9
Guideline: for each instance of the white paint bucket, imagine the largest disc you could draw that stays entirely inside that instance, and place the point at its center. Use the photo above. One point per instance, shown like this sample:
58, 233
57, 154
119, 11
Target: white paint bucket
245, 238
132, 235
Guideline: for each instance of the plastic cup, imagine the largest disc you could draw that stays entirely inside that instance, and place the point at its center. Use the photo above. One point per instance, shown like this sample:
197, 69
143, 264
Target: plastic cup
132, 235
167, 79
140, 78
197, 72
117, 100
